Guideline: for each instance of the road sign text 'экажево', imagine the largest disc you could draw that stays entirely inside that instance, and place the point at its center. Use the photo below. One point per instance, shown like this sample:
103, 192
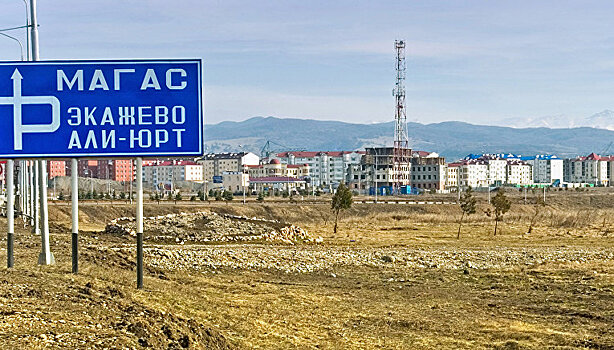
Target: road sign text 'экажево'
100, 108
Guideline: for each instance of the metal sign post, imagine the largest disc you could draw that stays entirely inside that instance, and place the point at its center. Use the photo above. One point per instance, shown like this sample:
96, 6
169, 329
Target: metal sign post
74, 182
10, 213
45, 257
139, 223
31, 191
35, 201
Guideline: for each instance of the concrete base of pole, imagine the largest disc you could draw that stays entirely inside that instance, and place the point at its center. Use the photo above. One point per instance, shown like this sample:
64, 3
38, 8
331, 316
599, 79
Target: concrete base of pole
139, 260
43, 261
10, 240
75, 252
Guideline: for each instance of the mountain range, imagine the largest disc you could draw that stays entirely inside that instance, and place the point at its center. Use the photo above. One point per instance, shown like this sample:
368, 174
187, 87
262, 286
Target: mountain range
601, 120
452, 139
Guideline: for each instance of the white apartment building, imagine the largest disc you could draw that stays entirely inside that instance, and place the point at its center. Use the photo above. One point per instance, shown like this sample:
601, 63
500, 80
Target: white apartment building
473, 173
325, 168
518, 173
235, 182
497, 171
216, 164
168, 172
452, 176
547, 169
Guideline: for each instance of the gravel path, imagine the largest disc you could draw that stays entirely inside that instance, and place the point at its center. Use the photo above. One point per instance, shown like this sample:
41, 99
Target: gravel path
309, 258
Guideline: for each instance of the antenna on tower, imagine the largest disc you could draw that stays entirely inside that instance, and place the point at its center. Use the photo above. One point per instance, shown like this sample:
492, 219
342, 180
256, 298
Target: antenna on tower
402, 153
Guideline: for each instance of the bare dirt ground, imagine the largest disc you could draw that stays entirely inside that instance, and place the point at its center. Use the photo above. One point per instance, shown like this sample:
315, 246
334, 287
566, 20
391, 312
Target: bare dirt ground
394, 277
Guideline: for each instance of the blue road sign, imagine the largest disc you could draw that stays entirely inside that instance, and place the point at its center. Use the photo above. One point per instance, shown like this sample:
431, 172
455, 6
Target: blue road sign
217, 179
91, 109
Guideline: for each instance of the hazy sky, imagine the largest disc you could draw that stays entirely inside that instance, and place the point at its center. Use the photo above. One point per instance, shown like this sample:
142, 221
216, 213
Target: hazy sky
476, 61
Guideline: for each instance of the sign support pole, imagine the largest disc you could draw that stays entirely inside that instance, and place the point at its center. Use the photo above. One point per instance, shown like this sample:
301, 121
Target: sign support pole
139, 223
23, 189
10, 213
19, 204
31, 193
45, 257
74, 177
35, 191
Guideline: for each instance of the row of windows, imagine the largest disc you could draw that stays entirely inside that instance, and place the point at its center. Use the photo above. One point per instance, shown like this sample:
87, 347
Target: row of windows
424, 168
424, 177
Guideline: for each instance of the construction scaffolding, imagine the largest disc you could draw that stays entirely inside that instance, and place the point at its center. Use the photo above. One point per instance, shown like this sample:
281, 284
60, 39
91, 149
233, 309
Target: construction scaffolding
402, 153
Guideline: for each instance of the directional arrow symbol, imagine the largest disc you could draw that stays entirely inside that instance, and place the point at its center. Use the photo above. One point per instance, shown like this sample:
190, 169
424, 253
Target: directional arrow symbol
17, 101
16, 74
16, 77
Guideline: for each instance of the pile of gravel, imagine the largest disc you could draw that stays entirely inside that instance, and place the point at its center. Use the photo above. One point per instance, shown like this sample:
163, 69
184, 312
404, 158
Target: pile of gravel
204, 227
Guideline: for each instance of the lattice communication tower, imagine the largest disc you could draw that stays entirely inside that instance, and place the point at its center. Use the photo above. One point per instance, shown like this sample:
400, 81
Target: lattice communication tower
402, 153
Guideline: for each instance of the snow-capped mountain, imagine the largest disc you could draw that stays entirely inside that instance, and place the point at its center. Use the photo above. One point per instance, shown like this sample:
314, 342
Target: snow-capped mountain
601, 120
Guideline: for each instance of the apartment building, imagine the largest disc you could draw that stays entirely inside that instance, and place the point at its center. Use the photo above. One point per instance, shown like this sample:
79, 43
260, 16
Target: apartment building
518, 173
275, 168
473, 173
326, 168
276, 175
497, 171
377, 164
56, 168
216, 164
428, 171
85, 168
452, 176
546, 169
592, 169
235, 182
117, 170
168, 172
494, 170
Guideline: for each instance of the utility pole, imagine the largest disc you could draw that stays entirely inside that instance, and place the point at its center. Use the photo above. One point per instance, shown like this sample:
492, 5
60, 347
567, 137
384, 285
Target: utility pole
46, 257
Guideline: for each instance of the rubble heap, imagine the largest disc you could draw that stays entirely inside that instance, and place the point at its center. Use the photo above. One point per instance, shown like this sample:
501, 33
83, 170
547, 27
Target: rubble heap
202, 227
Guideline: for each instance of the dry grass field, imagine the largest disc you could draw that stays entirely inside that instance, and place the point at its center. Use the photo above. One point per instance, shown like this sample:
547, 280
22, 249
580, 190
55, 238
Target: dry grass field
395, 276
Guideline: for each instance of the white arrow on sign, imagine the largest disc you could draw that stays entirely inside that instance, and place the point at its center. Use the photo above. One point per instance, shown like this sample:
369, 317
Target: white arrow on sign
17, 100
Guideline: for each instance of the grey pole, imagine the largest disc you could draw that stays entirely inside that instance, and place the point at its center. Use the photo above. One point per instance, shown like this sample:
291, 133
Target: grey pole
33, 31
139, 223
35, 191
10, 213
74, 177
20, 206
45, 257
23, 166
31, 192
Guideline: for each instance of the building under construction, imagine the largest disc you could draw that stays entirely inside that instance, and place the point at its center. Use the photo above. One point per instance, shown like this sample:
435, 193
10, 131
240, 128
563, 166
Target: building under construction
382, 169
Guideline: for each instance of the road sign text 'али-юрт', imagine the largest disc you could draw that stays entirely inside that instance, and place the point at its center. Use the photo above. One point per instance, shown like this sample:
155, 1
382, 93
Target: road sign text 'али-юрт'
100, 108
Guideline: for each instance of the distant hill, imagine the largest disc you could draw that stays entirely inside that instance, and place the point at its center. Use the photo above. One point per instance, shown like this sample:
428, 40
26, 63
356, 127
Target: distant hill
601, 120
451, 139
